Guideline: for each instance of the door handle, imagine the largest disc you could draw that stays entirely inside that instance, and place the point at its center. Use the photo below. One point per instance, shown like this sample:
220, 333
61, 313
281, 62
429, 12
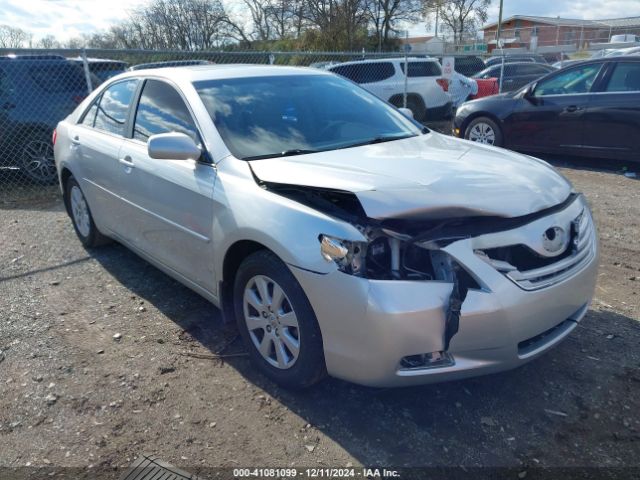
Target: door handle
572, 108
75, 140
127, 161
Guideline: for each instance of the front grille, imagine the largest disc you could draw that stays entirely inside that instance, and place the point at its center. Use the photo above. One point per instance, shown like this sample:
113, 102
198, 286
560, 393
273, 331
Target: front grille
579, 254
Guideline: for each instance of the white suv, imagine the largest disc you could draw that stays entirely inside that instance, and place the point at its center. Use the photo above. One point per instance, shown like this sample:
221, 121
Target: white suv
385, 78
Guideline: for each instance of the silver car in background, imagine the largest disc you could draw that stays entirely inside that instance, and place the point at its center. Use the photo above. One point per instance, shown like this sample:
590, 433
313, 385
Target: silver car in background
342, 236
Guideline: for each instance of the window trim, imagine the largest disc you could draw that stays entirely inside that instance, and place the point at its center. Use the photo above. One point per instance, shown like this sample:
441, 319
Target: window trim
595, 87
406, 65
97, 100
609, 74
206, 157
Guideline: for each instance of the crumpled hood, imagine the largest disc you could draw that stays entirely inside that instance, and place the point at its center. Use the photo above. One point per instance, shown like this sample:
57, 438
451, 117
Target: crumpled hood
426, 177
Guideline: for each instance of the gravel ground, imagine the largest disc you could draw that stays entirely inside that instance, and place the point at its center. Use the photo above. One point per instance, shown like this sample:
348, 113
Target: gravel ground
104, 357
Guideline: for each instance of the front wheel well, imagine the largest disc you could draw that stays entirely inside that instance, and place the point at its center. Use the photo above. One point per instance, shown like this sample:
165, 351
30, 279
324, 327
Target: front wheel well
234, 256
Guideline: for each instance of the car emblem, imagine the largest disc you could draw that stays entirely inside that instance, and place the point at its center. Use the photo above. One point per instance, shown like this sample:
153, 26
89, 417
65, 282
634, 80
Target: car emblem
554, 239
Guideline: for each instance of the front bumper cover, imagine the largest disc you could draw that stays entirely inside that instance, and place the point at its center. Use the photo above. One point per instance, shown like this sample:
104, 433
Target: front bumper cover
368, 326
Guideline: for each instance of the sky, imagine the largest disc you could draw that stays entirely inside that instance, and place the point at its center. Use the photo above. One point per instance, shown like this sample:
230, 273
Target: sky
69, 18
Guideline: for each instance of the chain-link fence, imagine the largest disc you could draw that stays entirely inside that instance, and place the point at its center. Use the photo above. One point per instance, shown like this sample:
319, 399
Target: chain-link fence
38, 88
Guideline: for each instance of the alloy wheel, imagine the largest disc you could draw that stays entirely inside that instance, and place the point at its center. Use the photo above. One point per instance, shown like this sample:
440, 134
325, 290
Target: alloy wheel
271, 321
38, 161
482, 133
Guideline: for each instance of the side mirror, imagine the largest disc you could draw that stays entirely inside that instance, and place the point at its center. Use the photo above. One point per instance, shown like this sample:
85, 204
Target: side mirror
406, 112
173, 146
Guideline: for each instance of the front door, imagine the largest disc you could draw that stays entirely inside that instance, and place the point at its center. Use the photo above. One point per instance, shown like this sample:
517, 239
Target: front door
173, 199
551, 117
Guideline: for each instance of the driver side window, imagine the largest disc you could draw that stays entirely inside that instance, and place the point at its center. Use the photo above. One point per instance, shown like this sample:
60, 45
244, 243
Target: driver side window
576, 80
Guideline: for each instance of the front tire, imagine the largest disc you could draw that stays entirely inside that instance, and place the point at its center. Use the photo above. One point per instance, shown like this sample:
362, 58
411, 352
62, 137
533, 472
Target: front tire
484, 130
277, 324
81, 216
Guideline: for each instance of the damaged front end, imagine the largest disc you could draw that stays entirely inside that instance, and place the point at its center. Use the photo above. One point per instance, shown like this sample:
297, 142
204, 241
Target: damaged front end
407, 249
388, 254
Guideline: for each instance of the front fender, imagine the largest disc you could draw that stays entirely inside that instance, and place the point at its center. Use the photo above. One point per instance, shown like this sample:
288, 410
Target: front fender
246, 211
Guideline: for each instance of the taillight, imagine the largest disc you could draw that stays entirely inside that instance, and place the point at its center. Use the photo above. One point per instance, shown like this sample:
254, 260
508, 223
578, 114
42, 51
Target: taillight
444, 83
54, 137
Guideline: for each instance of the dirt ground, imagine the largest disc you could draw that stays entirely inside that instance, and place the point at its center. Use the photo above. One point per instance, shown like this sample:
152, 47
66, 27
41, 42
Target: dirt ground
104, 357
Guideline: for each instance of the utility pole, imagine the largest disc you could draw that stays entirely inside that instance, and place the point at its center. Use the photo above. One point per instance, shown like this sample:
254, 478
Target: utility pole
499, 24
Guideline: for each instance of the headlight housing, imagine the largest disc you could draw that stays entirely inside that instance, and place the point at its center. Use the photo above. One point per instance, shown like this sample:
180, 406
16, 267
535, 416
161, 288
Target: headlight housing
389, 256
346, 254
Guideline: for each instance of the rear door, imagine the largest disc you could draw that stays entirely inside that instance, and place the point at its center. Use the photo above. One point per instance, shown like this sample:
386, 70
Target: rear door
97, 139
552, 117
173, 199
612, 119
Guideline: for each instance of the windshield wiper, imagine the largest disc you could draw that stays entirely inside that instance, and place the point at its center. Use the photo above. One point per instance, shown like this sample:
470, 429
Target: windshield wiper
378, 139
286, 153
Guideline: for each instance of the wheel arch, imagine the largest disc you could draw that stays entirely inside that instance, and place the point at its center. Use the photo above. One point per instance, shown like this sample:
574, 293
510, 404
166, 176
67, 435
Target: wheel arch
398, 99
233, 258
65, 175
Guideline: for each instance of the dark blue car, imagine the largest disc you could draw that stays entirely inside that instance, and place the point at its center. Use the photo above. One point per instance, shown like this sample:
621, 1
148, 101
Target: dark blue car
36, 92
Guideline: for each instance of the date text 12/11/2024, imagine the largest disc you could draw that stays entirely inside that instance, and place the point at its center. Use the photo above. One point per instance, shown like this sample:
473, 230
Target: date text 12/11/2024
331, 473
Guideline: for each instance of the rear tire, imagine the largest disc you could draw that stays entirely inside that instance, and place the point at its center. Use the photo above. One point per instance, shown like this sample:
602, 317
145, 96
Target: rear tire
277, 324
81, 217
484, 130
36, 160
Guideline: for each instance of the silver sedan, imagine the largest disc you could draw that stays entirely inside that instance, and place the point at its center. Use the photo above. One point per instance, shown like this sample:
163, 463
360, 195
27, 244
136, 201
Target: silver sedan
343, 237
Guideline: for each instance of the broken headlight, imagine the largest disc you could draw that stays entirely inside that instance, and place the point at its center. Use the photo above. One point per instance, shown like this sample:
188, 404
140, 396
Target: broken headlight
387, 257
346, 254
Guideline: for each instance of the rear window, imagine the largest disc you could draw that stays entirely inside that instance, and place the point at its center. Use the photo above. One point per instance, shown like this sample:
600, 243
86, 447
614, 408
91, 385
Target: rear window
104, 71
422, 69
58, 78
532, 69
625, 78
366, 72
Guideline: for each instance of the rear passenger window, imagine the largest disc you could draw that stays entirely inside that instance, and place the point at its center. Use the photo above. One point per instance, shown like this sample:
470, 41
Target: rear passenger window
113, 106
422, 69
625, 78
162, 110
366, 72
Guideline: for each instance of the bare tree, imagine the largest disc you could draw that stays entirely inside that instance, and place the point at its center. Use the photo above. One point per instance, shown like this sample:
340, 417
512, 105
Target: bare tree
13, 37
48, 41
462, 17
384, 16
337, 24
177, 24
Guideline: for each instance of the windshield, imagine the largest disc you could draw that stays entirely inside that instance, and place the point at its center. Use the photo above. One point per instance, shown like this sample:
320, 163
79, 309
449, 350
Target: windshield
263, 117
